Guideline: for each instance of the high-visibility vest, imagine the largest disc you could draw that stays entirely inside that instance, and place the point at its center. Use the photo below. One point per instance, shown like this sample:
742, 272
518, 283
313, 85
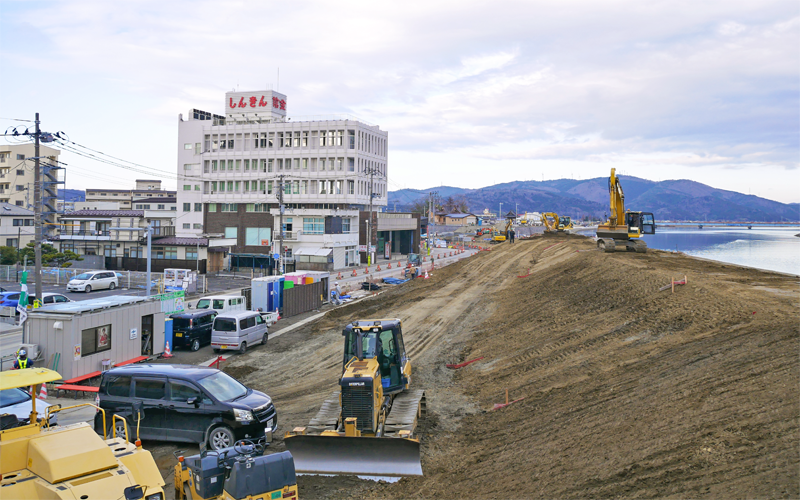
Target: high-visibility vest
23, 363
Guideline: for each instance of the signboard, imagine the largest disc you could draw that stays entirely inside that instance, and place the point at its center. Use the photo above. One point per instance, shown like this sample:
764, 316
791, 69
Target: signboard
77, 352
264, 243
172, 302
372, 248
265, 101
387, 250
134, 333
103, 337
362, 248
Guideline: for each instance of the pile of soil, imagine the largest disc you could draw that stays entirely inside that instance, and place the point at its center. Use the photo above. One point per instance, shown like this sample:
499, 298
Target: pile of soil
626, 391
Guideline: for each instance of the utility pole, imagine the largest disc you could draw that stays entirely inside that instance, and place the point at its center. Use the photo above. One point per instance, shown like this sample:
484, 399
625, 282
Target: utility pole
371, 195
37, 214
280, 216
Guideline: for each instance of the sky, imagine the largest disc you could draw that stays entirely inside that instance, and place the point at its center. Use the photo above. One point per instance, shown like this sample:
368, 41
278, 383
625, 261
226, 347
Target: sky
471, 93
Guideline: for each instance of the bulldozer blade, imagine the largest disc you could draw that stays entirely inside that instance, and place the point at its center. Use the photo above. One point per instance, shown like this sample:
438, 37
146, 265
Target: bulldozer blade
366, 456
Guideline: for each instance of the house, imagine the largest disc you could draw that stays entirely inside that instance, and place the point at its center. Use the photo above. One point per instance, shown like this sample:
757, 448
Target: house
16, 226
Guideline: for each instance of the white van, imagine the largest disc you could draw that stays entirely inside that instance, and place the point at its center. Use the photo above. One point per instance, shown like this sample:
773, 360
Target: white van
93, 280
237, 330
222, 303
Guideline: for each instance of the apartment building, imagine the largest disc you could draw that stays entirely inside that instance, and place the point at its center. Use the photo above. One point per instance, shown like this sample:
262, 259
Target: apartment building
92, 232
17, 175
143, 193
234, 168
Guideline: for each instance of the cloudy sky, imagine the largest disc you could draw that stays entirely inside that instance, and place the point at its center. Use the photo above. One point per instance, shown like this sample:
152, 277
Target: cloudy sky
472, 93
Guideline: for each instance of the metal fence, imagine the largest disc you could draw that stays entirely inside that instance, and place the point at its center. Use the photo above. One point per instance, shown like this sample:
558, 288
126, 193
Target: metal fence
132, 280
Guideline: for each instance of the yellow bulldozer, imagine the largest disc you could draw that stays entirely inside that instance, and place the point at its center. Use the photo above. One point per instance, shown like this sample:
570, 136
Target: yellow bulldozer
369, 426
69, 461
623, 227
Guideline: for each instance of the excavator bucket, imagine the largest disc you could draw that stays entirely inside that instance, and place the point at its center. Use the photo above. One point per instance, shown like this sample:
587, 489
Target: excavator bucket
364, 456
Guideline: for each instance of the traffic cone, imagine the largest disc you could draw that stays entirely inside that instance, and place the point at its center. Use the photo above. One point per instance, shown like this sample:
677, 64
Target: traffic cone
43, 392
426, 275
355, 273
390, 265
340, 275
379, 267
366, 271
167, 352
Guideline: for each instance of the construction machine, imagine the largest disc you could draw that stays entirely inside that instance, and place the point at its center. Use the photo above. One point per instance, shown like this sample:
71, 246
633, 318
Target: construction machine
70, 461
238, 472
565, 223
369, 426
555, 224
623, 227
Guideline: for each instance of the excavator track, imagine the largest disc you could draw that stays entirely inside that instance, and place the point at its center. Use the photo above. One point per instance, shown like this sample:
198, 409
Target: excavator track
327, 418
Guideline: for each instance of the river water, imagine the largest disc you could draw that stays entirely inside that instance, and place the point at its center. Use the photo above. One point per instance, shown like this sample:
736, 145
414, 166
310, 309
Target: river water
771, 248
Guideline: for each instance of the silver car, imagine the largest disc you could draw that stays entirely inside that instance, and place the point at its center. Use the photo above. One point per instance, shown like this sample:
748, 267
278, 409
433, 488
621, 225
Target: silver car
93, 280
18, 402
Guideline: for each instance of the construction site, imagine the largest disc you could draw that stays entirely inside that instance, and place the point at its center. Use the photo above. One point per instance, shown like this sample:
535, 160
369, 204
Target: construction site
554, 370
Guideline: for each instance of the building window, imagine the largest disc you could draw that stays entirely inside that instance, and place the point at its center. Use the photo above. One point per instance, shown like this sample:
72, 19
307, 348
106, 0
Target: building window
238, 165
109, 250
197, 148
187, 225
257, 236
20, 172
191, 253
305, 139
187, 187
305, 163
197, 187
94, 340
187, 146
313, 225
212, 207
297, 163
228, 207
351, 187
213, 165
171, 253
197, 226
19, 203
198, 207
351, 164
22, 188
12, 242
351, 139
345, 225
231, 232
187, 207
20, 157
187, 166
162, 207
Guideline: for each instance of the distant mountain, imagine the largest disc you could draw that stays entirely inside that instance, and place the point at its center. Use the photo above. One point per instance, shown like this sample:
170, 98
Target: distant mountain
72, 194
668, 200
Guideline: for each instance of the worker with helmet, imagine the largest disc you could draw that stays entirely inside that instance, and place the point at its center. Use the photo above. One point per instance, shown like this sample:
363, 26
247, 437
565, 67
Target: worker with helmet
336, 294
22, 360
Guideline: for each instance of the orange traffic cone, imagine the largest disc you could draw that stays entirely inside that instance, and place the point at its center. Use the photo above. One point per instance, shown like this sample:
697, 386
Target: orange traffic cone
43, 392
379, 267
354, 273
390, 265
366, 271
426, 275
167, 352
340, 275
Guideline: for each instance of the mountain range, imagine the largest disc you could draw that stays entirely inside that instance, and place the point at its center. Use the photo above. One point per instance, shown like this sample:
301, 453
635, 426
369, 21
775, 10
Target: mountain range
668, 200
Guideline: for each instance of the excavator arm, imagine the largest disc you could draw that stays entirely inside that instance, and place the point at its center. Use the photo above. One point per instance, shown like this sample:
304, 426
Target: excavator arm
617, 217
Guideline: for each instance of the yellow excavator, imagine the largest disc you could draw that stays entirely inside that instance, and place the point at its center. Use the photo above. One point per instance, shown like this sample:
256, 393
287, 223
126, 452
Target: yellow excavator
623, 227
69, 461
369, 426
555, 224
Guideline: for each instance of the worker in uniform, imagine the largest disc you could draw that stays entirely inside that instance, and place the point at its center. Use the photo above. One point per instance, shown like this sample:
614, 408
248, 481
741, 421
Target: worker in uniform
336, 293
22, 361
513, 234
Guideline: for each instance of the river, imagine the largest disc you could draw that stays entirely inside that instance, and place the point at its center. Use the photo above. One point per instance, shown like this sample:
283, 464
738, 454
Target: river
771, 248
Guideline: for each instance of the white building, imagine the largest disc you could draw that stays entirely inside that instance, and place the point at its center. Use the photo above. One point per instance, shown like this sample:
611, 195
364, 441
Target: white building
230, 168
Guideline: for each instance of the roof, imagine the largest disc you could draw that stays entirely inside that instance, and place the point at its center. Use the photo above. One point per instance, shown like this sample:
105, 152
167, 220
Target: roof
9, 209
104, 190
104, 213
180, 242
321, 252
193, 314
88, 305
459, 216
163, 199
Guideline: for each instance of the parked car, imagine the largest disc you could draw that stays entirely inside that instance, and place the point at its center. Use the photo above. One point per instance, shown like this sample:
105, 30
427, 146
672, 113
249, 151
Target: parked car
51, 298
188, 403
222, 303
93, 280
192, 329
237, 330
9, 299
17, 402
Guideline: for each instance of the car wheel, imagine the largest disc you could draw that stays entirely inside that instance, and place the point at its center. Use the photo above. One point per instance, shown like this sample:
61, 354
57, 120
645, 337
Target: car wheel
216, 351
112, 286
196, 344
88, 289
243, 348
119, 426
264, 339
220, 437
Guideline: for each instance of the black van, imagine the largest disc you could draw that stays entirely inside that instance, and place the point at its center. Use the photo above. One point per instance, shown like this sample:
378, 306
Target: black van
192, 329
186, 403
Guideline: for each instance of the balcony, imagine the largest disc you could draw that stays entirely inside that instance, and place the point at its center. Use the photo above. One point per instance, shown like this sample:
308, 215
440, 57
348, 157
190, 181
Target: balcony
85, 234
162, 231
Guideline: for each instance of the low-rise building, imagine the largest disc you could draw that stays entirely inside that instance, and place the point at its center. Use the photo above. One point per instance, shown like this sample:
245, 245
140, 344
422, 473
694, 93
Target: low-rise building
145, 191
16, 226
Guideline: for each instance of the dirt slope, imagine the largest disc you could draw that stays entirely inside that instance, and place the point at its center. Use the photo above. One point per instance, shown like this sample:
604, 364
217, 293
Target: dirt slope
628, 391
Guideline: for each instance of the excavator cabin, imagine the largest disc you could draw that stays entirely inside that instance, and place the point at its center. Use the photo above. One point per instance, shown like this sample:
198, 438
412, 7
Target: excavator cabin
381, 340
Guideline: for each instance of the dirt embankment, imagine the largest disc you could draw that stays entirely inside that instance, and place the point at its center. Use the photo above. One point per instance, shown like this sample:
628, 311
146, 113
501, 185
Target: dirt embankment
628, 391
